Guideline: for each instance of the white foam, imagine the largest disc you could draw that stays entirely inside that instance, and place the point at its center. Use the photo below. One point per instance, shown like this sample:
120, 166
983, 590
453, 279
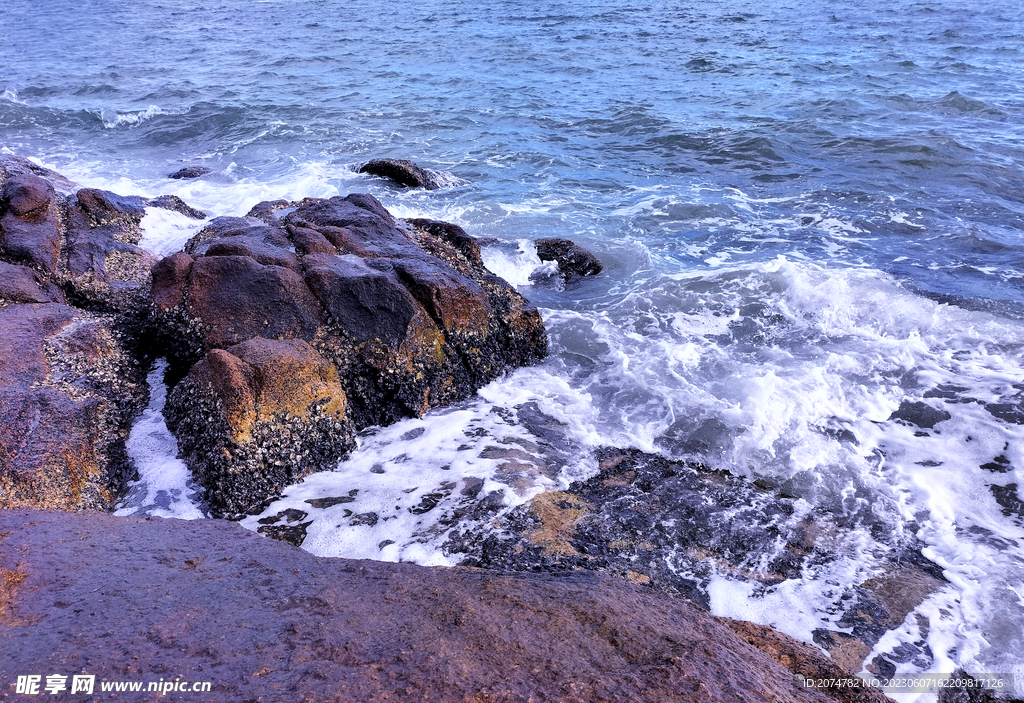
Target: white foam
165, 231
164, 487
406, 481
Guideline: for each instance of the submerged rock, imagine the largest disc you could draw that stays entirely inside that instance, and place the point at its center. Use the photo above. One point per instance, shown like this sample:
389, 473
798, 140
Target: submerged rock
676, 526
405, 312
406, 173
262, 620
574, 261
191, 172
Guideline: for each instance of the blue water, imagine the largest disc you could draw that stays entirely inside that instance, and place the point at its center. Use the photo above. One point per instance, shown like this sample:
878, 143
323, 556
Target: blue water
808, 215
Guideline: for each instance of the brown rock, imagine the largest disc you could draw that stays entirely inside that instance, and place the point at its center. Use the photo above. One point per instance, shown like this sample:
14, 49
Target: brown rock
169, 278
23, 195
68, 391
258, 416
803, 660
235, 298
153, 598
407, 315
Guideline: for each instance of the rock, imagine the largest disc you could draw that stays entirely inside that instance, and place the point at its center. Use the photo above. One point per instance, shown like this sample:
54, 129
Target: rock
29, 220
256, 417
574, 261
406, 173
803, 661
176, 204
259, 619
675, 526
83, 242
405, 312
191, 172
68, 393
20, 284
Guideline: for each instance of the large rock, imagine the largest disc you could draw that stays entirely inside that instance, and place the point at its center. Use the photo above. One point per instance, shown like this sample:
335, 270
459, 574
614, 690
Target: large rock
256, 417
71, 380
206, 601
68, 392
404, 311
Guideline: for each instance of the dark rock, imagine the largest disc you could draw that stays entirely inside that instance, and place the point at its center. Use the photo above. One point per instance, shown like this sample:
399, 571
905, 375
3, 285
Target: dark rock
237, 298
408, 174
573, 260
256, 417
261, 620
29, 219
920, 414
104, 264
176, 204
191, 172
366, 303
20, 284
23, 195
674, 526
407, 314
454, 235
68, 393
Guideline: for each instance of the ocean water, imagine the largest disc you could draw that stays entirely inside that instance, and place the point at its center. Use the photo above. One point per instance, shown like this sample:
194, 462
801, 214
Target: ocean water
811, 219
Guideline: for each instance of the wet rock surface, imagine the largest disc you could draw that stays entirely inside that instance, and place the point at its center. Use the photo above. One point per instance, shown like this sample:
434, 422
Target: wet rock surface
80, 241
405, 312
574, 262
74, 289
191, 172
676, 526
69, 390
256, 417
148, 599
406, 173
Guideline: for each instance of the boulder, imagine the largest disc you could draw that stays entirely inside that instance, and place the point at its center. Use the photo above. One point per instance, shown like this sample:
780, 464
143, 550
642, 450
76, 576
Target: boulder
574, 261
21, 284
68, 393
155, 600
256, 417
406, 173
405, 312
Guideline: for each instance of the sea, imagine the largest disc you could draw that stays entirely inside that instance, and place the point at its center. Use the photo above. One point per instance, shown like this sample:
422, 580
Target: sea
811, 218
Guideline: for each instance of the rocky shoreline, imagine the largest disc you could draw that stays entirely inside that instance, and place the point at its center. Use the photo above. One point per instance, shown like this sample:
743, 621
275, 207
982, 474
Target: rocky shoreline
286, 332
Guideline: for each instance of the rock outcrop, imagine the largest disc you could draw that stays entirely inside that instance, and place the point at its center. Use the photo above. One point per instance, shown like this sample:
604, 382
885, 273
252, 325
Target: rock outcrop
574, 262
205, 600
69, 390
258, 416
74, 290
191, 172
405, 312
79, 244
406, 173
